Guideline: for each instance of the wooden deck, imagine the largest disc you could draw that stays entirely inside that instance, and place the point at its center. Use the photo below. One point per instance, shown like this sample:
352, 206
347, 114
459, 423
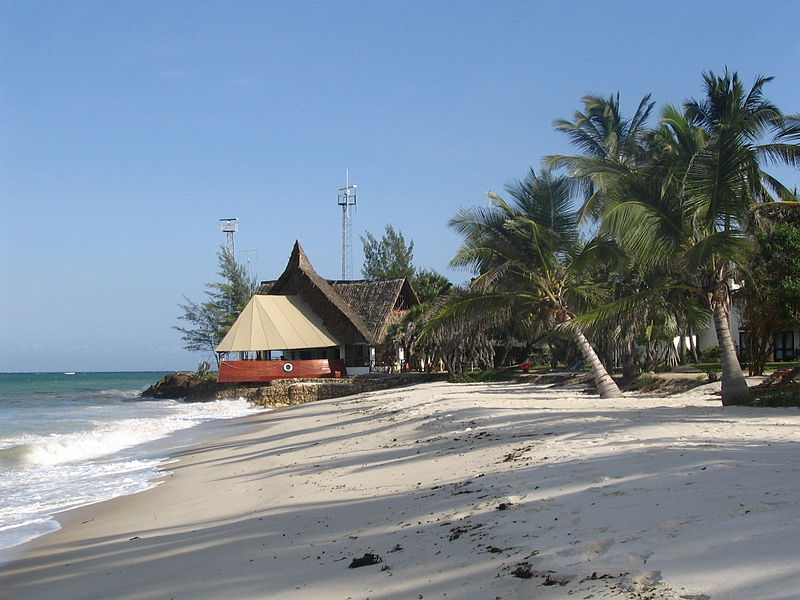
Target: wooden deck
254, 371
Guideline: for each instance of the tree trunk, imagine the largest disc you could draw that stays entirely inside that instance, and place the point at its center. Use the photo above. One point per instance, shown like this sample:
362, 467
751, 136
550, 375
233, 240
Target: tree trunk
682, 348
606, 386
503, 361
630, 365
734, 385
693, 347
759, 338
553, 360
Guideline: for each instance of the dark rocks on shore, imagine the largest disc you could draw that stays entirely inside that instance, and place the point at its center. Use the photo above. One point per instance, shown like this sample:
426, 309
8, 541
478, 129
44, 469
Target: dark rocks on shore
182, 384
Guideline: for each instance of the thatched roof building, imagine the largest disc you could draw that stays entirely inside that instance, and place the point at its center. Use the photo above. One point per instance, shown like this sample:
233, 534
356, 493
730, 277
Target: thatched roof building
300, 279
378, 303
357, 313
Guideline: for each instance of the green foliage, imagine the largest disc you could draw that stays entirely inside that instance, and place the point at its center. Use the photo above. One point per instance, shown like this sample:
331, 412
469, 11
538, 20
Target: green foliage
709, 355
532, 268
781, 252
774, 366
783, 397
647, 382
679, 197
486, 376
388, 257
770, 297
209, 321
430, 285
462, 342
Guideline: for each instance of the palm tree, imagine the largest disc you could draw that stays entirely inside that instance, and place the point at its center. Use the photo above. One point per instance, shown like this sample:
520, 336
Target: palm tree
722, 182
610, 144
622, 158
689, 206
529, 260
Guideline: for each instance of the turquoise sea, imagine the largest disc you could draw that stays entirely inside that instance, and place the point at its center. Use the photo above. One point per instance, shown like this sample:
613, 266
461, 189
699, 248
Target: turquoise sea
68, 440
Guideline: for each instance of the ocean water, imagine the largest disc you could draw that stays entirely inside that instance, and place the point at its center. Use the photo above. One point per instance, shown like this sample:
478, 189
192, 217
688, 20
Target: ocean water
67, 440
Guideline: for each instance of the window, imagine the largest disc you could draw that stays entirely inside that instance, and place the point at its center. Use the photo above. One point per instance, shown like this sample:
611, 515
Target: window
783, 346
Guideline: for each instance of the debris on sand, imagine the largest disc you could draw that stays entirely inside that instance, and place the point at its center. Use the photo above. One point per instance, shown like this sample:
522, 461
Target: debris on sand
523, 571
366, 560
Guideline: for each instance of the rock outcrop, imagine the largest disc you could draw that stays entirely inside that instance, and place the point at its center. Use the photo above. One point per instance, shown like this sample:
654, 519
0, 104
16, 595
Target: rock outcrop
175, 385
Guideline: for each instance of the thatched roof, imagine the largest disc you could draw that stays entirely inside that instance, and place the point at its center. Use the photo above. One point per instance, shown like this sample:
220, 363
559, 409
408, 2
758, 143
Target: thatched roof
354, 311
299, 278
374, 301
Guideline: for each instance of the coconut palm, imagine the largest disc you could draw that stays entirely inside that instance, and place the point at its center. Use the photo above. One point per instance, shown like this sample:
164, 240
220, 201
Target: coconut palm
622, 158
723, 181
528, 259
610, 145
690, 207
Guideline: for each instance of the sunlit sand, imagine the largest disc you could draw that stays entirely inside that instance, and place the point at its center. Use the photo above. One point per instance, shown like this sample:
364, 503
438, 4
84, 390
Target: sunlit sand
459, 491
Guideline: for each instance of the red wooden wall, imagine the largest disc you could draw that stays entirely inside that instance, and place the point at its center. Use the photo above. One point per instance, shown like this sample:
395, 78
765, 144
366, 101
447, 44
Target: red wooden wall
253, 371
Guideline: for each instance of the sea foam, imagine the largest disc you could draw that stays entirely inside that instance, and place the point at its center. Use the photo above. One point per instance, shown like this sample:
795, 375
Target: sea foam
100, 448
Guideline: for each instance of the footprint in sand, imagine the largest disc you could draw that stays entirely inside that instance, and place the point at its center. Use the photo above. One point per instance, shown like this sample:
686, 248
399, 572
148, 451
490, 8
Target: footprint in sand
601, 546
633, 536
675, 523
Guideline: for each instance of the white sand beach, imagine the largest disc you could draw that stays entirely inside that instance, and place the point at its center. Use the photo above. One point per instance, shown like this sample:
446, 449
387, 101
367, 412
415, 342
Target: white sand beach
484, 491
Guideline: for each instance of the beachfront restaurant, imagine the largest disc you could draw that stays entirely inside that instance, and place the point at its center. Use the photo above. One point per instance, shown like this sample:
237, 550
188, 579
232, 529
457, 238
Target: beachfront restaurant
279, 337
301, 325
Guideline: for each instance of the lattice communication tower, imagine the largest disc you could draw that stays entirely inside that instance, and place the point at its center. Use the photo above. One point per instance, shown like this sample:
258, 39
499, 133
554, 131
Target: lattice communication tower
347, 200
229, 227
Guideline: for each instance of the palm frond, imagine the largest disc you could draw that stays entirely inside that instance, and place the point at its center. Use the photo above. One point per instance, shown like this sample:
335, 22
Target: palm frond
724, 246
788, 154
788, 128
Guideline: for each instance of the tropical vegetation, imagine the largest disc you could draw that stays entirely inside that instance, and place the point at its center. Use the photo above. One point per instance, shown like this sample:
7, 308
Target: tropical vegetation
674, 209
530, 261
613, 257
209, 321
387, 257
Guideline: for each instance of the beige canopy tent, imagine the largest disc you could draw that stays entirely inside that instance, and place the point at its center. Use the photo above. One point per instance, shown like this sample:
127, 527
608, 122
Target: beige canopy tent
276, 323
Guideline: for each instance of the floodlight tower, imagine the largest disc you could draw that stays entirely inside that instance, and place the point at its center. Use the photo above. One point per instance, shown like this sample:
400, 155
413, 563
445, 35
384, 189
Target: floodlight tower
229, 227
347, 198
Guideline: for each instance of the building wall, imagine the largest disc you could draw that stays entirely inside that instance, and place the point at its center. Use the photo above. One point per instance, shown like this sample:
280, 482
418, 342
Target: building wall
708, 336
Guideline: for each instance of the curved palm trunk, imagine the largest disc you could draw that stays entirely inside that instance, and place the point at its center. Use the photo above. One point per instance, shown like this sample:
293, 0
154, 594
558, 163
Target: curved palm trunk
606, 386
734, 385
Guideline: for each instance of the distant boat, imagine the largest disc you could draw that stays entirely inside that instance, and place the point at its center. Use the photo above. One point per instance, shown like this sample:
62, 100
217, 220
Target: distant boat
69, 372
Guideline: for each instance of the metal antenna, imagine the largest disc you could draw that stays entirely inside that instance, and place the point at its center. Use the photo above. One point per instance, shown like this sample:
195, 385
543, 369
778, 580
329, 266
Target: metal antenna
347, 198
229, 227
247, 253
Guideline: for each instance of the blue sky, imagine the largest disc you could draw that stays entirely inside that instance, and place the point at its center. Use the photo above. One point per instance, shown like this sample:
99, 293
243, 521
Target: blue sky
130, 128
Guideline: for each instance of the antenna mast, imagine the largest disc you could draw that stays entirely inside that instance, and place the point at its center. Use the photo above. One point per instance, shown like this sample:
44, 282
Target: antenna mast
229, 227
347, 198
247, 253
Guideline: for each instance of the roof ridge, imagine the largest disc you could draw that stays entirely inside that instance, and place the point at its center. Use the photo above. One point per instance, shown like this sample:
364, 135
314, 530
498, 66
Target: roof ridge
299, 260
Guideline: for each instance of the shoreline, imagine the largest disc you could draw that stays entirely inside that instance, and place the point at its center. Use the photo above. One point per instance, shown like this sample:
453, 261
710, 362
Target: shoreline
464, 491
131, 468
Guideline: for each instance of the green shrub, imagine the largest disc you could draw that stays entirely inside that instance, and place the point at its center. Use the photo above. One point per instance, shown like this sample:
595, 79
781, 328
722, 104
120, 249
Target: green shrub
783, 397
647, 382
480, 376
710, 354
